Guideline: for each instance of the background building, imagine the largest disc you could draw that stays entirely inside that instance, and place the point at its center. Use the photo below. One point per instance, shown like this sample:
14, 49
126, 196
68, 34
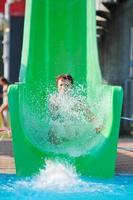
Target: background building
12, 21
115, 41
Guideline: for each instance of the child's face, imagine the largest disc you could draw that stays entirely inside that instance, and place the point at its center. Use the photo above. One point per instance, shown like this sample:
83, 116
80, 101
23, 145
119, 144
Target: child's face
63, 86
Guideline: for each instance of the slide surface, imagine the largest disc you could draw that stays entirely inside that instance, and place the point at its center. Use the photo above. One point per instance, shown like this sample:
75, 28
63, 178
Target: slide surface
60, 37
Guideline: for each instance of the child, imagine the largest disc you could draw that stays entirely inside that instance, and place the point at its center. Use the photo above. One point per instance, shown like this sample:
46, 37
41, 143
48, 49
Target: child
64, 85
4, 107
63, 102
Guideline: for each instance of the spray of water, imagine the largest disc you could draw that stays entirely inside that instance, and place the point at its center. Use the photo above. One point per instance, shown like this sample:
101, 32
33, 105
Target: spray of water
56, 176
62, 178
62, 123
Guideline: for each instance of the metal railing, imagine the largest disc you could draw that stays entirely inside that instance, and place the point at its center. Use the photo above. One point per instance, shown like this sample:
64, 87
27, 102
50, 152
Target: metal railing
100, 6
110, 1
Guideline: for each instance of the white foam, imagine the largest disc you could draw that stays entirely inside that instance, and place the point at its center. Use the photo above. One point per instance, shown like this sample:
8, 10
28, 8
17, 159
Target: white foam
62, 178
56, 176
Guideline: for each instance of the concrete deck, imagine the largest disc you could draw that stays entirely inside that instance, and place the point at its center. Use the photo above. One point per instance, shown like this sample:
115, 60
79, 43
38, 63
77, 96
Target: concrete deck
7, 165
124, 162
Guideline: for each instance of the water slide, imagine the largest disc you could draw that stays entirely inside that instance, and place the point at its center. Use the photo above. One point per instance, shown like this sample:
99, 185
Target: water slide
60, 37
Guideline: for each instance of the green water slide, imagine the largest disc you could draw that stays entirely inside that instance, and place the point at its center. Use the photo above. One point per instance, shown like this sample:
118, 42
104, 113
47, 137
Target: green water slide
60, 37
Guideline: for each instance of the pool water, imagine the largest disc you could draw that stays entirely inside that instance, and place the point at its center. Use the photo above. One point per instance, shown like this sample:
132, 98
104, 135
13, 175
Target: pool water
58, 182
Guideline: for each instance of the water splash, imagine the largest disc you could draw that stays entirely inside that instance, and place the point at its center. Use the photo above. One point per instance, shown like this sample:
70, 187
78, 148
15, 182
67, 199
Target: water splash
60, 181
64, 127
58, 178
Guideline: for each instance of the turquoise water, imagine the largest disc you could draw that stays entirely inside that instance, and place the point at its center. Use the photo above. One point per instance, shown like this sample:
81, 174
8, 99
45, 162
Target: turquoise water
60, 183
120, 188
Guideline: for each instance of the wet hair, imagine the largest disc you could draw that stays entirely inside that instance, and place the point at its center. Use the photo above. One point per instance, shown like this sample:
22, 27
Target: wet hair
4, 80
65, 77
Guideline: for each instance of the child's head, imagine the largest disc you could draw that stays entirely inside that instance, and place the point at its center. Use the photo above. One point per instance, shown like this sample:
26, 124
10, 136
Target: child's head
3, 81
64, 83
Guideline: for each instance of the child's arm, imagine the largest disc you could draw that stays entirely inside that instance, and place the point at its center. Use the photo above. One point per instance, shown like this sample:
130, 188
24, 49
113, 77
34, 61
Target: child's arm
53, 105
90, 116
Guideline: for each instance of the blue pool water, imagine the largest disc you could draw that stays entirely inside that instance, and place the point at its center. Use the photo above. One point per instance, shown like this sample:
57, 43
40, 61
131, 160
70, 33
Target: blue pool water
61, 183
